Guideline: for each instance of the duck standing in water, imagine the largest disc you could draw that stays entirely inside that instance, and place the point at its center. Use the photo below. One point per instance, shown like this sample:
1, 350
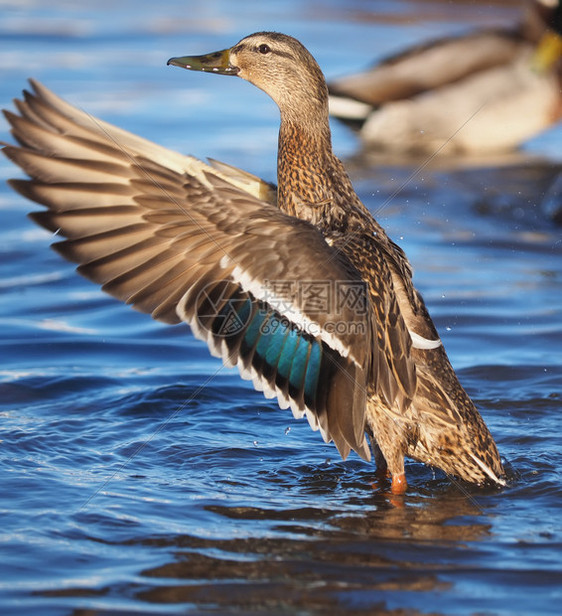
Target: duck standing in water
486, 91
300, 288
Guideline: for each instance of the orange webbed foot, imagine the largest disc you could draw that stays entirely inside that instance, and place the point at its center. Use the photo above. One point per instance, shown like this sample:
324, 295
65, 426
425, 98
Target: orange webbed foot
399, 484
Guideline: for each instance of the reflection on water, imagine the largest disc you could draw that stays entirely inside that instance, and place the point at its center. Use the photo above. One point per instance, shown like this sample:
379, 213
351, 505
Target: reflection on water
141, 477
314, 559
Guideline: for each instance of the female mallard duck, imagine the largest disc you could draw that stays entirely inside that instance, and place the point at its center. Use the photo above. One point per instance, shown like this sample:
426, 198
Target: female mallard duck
301, 289
487, 91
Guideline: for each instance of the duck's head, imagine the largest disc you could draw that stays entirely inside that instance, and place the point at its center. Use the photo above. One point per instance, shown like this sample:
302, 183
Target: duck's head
549, 48
276, 63
550, 12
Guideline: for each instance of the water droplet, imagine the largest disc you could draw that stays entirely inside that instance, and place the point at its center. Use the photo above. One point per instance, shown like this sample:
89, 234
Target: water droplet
256, 444
287, 430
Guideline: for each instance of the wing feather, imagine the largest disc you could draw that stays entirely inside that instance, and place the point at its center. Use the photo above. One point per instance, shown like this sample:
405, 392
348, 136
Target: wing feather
182, 240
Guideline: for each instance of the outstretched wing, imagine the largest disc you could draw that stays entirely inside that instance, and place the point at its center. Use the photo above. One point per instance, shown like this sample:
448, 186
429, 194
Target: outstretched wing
182, 240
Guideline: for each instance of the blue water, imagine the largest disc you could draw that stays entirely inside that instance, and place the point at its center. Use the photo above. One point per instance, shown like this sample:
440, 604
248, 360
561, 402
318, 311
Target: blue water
139, 476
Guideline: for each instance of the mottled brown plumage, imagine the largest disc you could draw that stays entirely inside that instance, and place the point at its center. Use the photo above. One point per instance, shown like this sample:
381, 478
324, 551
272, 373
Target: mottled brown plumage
182, 240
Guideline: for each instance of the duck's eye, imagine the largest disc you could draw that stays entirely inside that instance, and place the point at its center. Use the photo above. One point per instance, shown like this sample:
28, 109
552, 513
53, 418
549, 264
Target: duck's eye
263, 48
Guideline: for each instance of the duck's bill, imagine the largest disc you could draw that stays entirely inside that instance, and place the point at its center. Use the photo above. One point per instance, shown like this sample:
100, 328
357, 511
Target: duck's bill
216, 62
548, 53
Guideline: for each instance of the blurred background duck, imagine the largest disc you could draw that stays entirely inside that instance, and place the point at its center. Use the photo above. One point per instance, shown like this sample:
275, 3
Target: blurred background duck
487, 91
357, 353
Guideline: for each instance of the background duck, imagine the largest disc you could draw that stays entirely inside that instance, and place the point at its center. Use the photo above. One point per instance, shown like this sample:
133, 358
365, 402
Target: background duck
215, 247
487, 91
